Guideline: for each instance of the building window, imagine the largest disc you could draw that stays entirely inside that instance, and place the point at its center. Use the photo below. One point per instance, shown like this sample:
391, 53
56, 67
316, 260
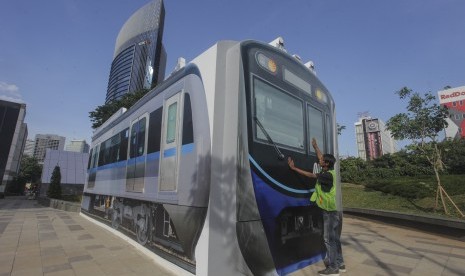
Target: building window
461, 102
457, 116
454, 103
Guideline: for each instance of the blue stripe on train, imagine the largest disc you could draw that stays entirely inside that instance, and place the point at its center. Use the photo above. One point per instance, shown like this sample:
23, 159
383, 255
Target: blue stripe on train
185, 149
270, 203
277, 183
188, 148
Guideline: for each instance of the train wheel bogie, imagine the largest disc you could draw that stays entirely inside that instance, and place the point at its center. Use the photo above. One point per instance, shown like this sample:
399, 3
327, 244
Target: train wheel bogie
141, 230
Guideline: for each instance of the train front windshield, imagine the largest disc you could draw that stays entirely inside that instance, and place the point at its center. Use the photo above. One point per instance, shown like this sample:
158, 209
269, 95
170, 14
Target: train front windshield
286, 107
280, 114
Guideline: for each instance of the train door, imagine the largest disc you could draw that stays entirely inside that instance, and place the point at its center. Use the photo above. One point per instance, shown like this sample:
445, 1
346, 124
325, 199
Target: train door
170, 144
136, 163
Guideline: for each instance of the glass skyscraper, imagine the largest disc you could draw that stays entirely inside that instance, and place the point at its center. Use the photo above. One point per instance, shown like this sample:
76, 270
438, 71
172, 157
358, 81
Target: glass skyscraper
139, 60
13, 133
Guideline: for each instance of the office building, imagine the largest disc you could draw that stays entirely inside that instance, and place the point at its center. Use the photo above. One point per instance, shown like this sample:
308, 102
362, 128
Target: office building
373, 139
73, 168
13, 133
47, 141
78, 146
454, 100
29, 147
139, 60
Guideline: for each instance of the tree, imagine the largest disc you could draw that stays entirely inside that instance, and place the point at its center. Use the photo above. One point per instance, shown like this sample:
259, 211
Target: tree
453, 158
422, 124
103, 112
340, 128
29, 171
54, 190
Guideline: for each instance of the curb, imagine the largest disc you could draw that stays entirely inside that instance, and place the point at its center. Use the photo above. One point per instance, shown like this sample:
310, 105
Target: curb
60, 204
454, 228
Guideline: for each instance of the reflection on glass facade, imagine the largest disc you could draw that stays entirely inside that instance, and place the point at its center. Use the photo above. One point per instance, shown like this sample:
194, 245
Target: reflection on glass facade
13, 133
139, 60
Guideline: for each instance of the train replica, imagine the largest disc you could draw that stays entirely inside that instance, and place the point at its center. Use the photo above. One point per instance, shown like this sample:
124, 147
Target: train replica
196, 171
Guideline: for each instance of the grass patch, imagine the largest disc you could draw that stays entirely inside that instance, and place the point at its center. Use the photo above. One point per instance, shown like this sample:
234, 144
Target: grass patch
357, 196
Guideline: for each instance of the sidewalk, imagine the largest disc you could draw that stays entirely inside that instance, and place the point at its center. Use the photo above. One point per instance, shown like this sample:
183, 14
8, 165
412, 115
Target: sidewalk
374, 248
36, 240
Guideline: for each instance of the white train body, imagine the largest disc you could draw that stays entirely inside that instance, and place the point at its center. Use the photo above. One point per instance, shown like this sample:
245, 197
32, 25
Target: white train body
194, 170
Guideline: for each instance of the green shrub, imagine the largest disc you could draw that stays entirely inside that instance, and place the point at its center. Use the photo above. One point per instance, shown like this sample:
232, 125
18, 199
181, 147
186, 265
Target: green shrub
407, 187
54, 190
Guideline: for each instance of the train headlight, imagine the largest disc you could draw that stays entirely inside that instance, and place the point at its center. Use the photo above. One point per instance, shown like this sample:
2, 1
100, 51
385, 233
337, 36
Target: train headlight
321, 96
267, 63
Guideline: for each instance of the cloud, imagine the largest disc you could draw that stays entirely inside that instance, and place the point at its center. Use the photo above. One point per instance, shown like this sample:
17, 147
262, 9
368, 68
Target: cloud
10, 92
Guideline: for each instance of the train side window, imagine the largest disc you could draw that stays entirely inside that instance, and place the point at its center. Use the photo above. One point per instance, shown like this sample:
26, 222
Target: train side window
107, 157
94, 157
90, 159
101, 156
141, 137
155, 131
114, 148
123, 146
133, 143
315, 127
137, 145
171, 128
187, 128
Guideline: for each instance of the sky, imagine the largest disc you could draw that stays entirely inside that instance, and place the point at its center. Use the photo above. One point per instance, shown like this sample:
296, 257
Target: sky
55, 55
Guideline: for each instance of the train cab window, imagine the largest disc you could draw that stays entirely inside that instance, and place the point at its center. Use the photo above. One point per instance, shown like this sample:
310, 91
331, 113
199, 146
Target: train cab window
315, 127
187, 129
155, 131
280, 114
171, 128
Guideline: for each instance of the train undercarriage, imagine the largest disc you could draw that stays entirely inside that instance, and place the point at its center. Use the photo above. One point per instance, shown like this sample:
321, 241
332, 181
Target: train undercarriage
148, 223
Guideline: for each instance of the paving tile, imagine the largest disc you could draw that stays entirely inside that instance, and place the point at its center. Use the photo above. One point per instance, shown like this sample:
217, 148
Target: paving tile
80, 258
86, 269
387, 267
56, 268
455, 267
49, 261
85, 237
52, 251
68, 272
75, 227
403, 254
94, 246
27, 272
